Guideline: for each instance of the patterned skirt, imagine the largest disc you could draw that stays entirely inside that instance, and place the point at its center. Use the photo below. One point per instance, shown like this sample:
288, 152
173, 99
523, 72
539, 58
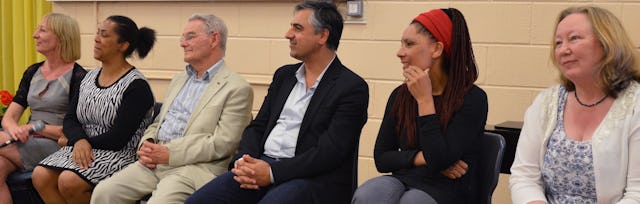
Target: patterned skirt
105, 164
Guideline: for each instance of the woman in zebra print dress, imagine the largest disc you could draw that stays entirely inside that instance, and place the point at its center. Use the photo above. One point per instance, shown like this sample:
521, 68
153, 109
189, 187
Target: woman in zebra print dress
106, 120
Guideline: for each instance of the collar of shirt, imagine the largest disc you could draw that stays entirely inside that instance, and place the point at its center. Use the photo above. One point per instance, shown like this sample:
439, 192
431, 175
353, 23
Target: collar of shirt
208, 74
301, 71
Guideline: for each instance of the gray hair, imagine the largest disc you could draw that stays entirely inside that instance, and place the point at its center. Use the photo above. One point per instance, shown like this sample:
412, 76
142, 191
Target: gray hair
317, 26
325, 16
213, 24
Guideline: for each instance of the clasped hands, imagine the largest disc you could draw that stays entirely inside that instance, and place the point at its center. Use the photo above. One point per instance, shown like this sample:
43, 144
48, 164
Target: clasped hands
455, 171
151, 154
251, 173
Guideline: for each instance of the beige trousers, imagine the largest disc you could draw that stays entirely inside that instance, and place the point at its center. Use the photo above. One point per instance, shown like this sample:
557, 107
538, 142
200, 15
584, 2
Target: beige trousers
135, 181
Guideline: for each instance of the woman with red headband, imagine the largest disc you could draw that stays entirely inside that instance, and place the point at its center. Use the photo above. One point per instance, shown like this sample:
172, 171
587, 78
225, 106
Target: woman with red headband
433, 120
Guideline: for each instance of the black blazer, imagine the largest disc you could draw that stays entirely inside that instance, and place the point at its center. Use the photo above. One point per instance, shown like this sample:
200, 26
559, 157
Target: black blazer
328, 134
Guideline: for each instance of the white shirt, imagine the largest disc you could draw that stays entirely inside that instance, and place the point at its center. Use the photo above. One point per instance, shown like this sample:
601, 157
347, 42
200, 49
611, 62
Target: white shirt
180, 110
282, 140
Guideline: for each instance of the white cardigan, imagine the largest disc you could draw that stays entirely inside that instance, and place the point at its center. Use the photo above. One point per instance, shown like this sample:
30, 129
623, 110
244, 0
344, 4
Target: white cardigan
615, 147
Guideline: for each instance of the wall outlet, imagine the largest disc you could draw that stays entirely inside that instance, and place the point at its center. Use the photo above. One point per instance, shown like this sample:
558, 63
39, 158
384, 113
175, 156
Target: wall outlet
354, 8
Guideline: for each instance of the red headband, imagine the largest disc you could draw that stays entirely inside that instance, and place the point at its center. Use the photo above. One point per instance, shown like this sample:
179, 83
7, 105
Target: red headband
439, 24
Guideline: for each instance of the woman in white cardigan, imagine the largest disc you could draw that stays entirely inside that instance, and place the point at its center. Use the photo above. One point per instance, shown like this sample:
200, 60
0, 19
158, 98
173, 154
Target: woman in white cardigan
580, 142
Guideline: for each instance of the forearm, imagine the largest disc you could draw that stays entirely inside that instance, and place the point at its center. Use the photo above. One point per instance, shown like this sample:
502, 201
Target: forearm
12, 116
151, 133
8, 123
197, 149
53, 132
444, 148
418, 159
206, 147
426, 107
393, 160
134, 108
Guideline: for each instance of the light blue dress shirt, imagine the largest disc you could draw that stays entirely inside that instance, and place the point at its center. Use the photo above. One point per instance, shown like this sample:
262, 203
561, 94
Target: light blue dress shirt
178, 114
282, 140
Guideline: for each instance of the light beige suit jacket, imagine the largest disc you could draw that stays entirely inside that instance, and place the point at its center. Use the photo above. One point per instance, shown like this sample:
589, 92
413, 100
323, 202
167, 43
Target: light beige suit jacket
213, 131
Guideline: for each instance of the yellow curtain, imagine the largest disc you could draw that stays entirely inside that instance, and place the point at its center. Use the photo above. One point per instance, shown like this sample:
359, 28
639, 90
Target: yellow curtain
18, 21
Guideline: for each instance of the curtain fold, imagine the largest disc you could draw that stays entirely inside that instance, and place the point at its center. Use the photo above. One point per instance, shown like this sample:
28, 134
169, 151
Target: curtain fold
18, 21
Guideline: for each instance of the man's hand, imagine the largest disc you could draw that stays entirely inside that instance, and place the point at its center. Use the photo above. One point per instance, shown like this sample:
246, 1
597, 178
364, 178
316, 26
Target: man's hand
252, 173
150, 154
456, 171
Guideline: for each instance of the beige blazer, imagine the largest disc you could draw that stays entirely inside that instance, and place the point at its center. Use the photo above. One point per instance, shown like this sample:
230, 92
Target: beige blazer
213, 131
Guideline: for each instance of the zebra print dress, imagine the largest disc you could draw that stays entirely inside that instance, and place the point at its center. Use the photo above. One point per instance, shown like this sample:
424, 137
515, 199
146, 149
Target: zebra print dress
127, 103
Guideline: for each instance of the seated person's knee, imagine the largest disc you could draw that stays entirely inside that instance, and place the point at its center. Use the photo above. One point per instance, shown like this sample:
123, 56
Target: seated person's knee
70, 184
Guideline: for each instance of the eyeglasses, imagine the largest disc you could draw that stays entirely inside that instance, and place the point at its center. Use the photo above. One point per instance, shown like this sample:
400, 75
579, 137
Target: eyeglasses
188, 37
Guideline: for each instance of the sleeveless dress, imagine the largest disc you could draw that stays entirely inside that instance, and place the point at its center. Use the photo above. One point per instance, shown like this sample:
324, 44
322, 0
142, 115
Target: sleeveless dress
97, 111
567, 171
49, 101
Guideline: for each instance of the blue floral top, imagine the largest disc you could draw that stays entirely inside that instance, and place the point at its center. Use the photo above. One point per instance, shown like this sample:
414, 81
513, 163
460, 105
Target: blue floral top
567, 171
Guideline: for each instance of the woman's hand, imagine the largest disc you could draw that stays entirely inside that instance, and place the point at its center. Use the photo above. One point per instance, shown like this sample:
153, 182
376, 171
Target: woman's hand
20, 133
419, 83
456, 171
4, 137
62, 141
82, 154
418, 160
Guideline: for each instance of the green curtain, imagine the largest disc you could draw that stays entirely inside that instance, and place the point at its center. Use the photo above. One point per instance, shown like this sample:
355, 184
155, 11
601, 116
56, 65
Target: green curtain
18, 21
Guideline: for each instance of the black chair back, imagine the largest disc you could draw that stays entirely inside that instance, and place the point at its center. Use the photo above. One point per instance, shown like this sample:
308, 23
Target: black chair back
354, 172
492, 149
156, 109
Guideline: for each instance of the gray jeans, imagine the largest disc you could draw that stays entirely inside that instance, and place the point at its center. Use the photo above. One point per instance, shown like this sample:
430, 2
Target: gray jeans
387, 190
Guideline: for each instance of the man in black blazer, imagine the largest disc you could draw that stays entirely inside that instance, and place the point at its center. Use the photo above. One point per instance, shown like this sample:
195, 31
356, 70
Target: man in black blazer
301, 146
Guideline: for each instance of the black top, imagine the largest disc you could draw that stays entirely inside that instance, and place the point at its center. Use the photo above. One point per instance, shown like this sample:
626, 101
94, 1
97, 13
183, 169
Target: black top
440, 152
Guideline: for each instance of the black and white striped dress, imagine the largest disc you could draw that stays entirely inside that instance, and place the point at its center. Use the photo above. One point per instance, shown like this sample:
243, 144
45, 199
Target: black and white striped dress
111, 118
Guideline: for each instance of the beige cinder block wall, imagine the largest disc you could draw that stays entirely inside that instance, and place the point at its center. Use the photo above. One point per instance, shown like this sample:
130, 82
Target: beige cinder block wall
511, 42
